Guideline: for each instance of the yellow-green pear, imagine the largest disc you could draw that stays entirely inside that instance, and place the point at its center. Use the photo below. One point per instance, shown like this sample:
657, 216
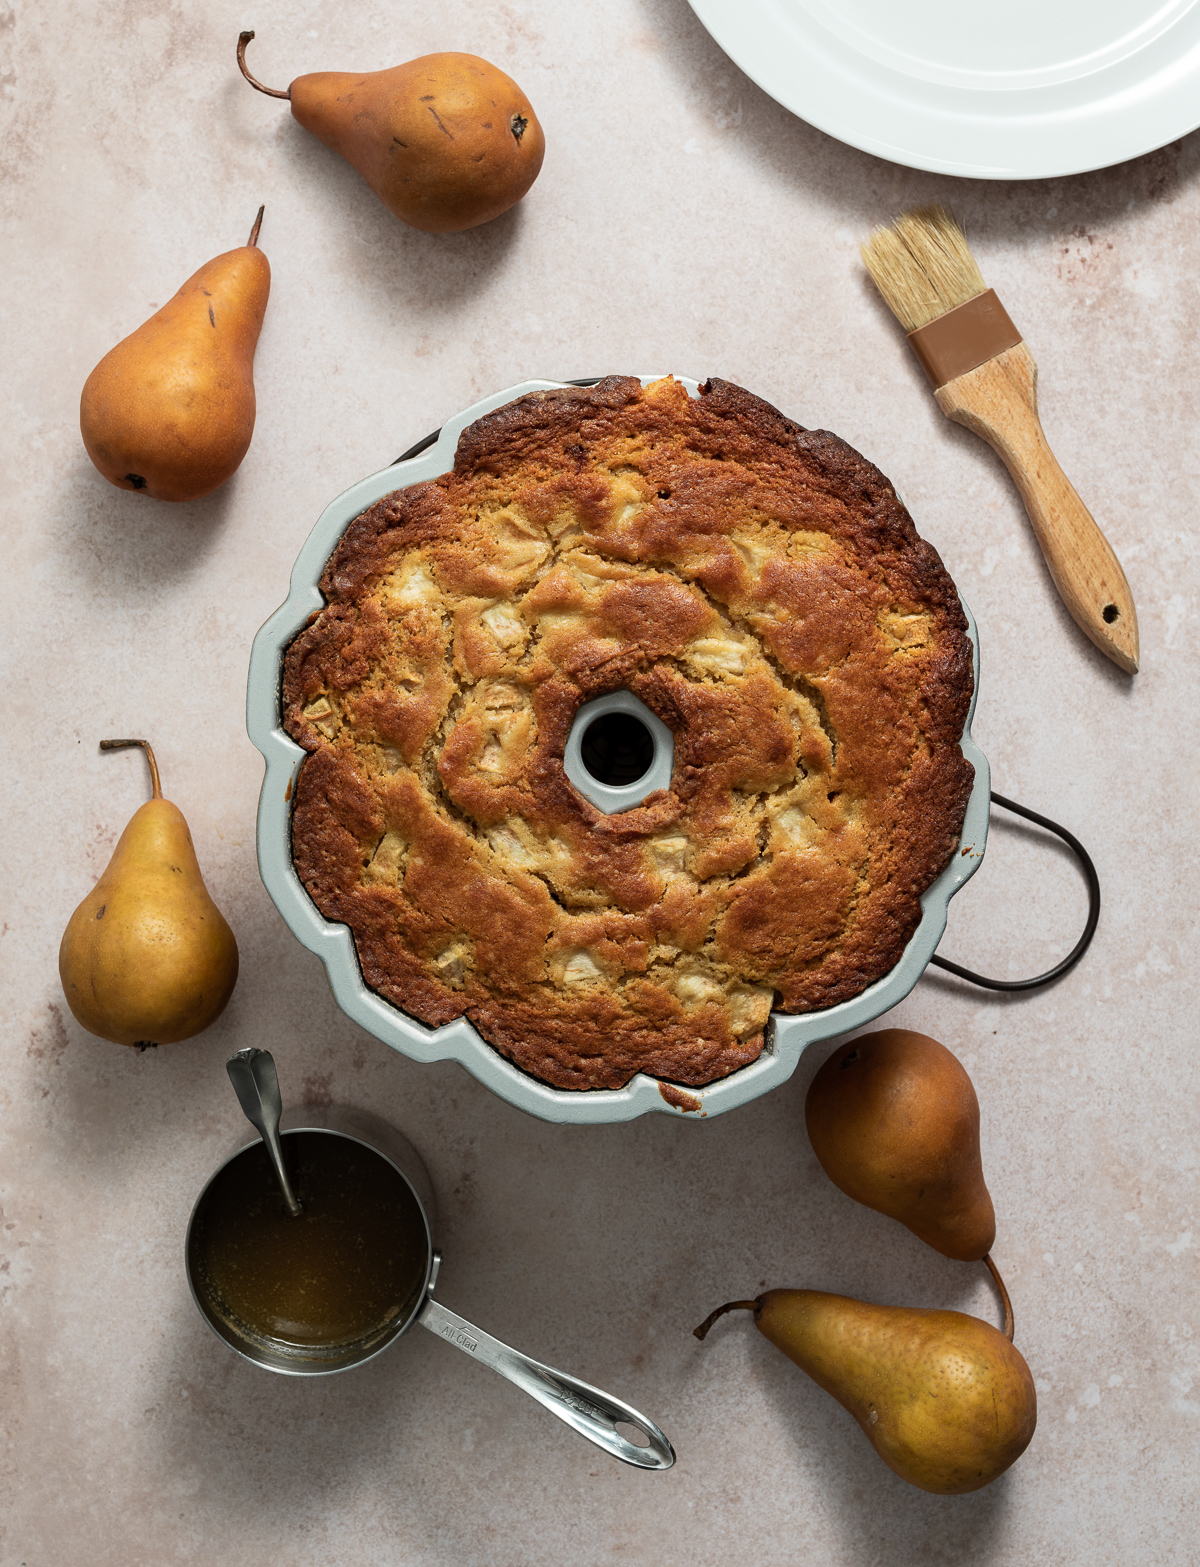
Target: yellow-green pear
446, 142
894, 1120
944, 1398
147, 958
169, 411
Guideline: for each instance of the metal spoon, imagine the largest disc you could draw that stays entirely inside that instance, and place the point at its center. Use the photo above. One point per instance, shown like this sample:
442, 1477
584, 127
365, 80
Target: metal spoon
256, 1083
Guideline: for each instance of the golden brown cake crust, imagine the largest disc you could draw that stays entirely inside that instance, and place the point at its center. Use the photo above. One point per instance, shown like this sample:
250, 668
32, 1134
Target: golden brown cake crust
761, 588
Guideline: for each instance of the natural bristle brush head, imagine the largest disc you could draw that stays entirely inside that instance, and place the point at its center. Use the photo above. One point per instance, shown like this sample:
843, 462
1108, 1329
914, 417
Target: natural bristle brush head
923, 266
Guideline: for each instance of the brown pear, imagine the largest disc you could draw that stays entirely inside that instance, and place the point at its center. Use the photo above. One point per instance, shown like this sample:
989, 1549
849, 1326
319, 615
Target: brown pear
894, 1120
944, 1398
169, 411
147, 958
446, 142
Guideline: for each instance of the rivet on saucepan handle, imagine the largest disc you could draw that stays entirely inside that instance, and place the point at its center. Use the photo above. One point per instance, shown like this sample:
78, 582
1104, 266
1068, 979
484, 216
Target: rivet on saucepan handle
584, 1408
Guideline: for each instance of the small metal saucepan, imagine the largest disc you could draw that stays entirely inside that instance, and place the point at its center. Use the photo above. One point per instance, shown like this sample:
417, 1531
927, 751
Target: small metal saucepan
594, 1414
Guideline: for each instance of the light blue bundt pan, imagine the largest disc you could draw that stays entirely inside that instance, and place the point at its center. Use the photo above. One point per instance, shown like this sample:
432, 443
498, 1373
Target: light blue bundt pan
787, 1036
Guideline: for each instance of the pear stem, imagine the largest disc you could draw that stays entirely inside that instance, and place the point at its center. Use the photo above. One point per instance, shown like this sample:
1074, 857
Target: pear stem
271, 92
1007, 1304
734, 1305
119, 745
253, 240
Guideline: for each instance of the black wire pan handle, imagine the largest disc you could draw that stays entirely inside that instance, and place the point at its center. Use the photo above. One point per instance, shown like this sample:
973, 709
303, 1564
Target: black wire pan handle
1089, 930
427, 442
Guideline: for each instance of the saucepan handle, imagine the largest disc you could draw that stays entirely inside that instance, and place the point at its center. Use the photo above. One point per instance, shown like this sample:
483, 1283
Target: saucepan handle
584, 1408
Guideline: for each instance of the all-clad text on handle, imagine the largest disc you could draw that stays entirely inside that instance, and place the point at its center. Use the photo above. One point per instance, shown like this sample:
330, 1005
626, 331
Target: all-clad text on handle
593, 1413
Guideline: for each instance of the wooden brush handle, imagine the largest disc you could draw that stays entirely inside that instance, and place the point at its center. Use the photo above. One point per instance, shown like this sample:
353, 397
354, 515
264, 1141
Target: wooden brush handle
998, 400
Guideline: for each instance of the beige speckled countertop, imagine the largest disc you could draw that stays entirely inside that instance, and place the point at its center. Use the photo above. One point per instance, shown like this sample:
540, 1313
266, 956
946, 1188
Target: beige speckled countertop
682, 222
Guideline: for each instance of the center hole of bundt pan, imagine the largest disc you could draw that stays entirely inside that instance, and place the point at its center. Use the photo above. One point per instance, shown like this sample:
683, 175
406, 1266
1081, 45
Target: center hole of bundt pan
618, 752
617, 749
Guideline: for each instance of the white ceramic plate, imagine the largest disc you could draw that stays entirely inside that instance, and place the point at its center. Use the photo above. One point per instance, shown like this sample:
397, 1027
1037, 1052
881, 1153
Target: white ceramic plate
788, 1035
1022, 89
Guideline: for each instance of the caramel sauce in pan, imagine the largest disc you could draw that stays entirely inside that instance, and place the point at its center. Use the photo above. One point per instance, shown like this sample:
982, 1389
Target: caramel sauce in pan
345, 1270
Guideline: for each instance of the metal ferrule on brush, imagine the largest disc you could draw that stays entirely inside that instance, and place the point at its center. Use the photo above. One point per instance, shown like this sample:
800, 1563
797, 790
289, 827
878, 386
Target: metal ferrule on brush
964, 338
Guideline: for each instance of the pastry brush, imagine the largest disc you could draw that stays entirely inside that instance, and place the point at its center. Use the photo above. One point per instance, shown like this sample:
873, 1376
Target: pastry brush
984, 377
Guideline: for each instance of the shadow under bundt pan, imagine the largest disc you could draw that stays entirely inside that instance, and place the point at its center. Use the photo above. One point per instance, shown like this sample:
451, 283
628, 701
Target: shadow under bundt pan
787, 1035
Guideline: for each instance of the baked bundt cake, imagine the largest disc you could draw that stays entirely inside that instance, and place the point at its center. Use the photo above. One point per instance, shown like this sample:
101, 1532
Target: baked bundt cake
763, 591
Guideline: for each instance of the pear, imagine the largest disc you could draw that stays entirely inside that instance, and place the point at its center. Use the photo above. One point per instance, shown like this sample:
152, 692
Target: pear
944, 1398
446, 141
894, 1120
147, 957
169, 411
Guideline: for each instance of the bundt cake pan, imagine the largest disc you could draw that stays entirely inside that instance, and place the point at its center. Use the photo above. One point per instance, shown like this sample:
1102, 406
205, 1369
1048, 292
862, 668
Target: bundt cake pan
787, 1035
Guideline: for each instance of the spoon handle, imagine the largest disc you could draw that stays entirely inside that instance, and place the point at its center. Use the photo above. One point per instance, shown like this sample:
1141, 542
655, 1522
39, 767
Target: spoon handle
586, 1409
256, 1083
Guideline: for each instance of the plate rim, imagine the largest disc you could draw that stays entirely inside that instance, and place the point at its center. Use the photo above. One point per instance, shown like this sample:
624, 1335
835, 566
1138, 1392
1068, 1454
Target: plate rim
724, 21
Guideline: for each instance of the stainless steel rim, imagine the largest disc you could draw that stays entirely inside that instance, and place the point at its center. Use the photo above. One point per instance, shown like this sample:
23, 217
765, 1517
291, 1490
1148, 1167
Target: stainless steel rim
298, 1364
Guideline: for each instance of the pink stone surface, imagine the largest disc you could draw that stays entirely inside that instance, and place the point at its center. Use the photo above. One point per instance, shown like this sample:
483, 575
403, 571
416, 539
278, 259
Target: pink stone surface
683, 222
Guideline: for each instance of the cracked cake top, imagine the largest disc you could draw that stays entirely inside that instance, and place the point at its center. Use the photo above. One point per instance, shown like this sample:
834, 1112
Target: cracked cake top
761, 588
